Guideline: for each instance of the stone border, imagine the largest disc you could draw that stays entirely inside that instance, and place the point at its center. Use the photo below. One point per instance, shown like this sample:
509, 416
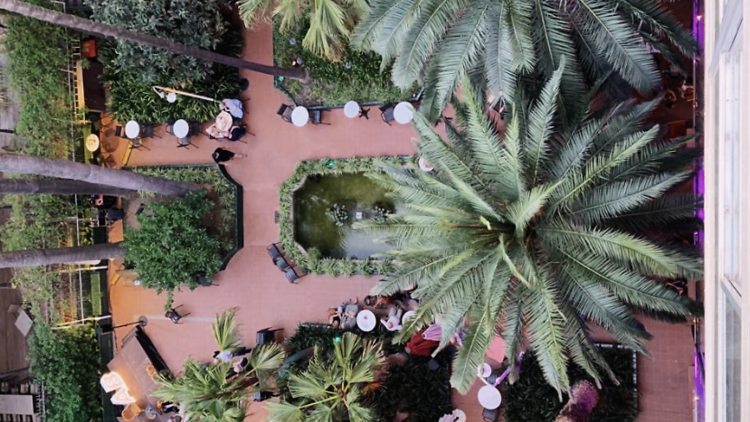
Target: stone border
310, 261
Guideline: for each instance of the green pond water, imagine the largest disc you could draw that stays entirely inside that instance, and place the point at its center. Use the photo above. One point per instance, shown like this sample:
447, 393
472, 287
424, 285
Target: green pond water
314, 228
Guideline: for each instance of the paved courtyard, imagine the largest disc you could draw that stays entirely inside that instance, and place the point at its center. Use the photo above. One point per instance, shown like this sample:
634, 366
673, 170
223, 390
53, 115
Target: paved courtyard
261, 293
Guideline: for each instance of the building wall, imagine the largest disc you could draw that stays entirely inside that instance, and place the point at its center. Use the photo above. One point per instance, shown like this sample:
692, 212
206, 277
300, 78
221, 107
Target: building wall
727, 202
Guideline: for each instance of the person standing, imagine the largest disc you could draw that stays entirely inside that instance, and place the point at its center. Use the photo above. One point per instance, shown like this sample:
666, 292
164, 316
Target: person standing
222, 155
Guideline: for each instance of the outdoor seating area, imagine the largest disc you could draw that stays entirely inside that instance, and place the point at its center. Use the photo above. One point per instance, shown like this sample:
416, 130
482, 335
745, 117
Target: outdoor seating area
282, 263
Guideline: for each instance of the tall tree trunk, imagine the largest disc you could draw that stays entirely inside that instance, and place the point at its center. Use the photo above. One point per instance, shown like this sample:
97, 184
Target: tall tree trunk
58, 187
37, 257
63, 169
108, 31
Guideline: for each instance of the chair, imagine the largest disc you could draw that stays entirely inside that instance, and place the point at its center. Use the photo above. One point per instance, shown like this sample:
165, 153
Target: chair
131, 412
138, 144
169, 129
317, 117
120, 132
195, 128
184, 143
285, 111
291, 275
147, 131
491, 415
386, 113
266, 335
273, 251
281, 263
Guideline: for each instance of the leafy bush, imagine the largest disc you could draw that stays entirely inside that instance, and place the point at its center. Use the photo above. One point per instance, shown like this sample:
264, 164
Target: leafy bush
356, 76
36, 53
196, 24
412, 388
532, 399
130, 86
67, 363
172, 246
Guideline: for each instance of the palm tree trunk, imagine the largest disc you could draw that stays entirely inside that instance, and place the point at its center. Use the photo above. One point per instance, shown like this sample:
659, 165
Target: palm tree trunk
58, 187
37, 257
63, 169
108, 31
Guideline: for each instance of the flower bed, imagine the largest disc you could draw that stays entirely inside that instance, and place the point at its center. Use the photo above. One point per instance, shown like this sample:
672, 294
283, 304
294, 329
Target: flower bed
356, 77
311, 260
531, 399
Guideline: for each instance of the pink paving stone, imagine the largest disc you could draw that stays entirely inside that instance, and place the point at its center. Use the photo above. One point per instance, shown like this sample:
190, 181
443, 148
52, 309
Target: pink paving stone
261, 293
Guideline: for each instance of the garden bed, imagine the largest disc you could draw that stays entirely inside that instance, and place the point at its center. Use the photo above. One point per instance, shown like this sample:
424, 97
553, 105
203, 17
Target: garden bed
356, 77
226, 217
531, 399
311, 260
412, 388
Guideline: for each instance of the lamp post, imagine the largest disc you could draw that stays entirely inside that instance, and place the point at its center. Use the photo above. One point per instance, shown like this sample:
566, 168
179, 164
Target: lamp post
103, 329
171, 94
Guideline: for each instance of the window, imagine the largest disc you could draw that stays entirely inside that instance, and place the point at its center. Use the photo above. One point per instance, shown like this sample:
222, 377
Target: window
730, 350
730, 163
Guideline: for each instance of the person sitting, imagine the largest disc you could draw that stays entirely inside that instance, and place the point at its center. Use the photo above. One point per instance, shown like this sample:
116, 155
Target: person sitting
393, 322
334, 317
349, 317
213, 132
236, 133
233, 106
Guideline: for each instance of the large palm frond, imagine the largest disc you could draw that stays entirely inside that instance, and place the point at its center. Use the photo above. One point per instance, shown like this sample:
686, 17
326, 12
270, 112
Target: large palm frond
535, 232
330, 388
439, 42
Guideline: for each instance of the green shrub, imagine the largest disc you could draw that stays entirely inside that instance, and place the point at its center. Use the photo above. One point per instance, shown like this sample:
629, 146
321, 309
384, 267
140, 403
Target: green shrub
532, 399
67, 363
36, 54
172, 245
356, 76
130, 72
196, 24
412, 388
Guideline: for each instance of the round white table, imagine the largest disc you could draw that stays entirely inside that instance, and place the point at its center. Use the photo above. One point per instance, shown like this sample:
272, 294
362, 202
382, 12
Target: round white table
132, 129
484, 371
351, 109
171, 97
181, 128
300, 116
489, 397
366, 320
425, 165
92, 142
224, 121
403, 112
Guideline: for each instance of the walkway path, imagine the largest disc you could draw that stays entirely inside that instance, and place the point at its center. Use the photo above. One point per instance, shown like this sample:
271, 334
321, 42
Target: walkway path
260, 291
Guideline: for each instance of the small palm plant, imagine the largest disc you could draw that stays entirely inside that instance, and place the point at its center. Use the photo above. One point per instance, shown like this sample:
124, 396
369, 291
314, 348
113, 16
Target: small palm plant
332, 387
330, 21
559, 221
209, 392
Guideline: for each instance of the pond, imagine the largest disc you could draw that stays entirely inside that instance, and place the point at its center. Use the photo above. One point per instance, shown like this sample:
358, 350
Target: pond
358, 195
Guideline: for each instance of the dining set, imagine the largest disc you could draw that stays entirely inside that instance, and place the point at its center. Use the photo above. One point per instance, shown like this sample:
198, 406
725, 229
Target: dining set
300, 116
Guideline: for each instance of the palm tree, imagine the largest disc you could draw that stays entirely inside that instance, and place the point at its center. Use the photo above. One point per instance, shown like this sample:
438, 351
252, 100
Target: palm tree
37, 257
58, 187
330, 21
108, 31
331, 388
439, 41
532, 233
206, 393
64, 169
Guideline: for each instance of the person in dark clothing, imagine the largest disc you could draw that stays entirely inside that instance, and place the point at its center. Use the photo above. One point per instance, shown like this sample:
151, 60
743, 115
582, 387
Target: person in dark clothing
222, 155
